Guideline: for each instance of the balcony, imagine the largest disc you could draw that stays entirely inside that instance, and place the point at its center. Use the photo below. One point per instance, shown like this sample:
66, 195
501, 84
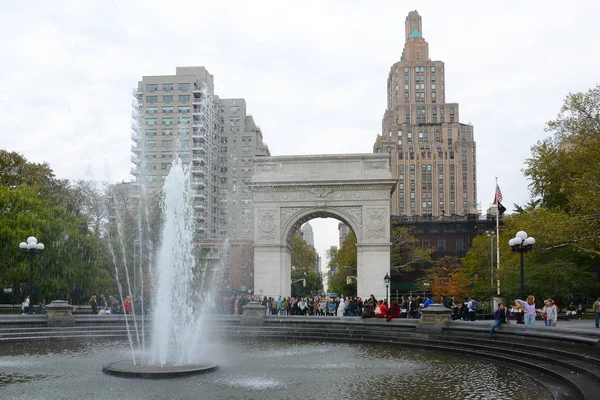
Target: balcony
136, 149
136, 160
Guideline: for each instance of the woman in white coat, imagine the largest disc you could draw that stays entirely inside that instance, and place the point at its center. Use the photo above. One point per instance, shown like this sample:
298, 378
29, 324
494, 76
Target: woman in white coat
341, 307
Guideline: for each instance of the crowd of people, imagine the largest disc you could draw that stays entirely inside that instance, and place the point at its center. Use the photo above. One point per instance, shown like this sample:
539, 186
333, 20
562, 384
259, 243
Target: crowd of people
406, 306
99, 305
522, 311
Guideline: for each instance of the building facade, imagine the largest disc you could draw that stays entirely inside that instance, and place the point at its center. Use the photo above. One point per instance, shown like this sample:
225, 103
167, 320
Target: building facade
433, 153
180, 116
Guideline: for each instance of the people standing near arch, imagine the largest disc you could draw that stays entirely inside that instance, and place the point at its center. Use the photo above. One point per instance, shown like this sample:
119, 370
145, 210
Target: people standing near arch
529, 309
597, 312
551, 312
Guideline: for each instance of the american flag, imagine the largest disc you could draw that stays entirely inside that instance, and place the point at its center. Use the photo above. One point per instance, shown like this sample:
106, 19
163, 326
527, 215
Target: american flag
498, 197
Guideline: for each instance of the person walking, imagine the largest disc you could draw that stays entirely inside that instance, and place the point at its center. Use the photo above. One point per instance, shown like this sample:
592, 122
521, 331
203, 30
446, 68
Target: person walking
501, 316
529, 308
551, 313
597, 312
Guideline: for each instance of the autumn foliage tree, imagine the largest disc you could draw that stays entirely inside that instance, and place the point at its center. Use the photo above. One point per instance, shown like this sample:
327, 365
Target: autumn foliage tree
445, 277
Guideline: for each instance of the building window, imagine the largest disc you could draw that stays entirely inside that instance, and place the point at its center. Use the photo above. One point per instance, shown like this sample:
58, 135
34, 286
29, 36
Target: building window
150, 143
184, 98
441, 245
152, 87
150, 132
184, 86
150, 121
459, 244
167, 110
184, 120
151, 99
183, 109
167, 99
167, 87
167, 132
167, 121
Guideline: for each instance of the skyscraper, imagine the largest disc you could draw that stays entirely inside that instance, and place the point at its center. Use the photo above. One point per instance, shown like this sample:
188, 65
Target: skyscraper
433, 154
180, 115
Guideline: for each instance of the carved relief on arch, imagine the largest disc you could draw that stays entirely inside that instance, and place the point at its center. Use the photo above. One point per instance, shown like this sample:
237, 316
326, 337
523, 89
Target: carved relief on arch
288, 212
376, 224
266, 224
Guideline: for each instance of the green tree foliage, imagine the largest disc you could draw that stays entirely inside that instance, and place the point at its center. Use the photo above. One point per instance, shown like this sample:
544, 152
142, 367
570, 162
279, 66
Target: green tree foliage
34, 203
564, 173
342, 263
70, 267
562, 216
304, 266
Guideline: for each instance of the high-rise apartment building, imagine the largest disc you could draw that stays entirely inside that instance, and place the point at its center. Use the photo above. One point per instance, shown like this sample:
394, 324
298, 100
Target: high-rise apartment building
180, 115
241, 141
433, 154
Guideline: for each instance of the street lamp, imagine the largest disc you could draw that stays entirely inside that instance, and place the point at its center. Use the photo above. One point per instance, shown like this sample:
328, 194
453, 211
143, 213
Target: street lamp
491, 235
386, 280
32, 247
521, 244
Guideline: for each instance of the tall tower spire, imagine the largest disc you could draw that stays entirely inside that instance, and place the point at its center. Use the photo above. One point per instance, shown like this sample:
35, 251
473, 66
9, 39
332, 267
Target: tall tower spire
433, 154
415, 47
413, 21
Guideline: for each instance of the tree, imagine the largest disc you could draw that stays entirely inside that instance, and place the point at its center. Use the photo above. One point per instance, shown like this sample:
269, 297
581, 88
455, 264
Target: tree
446, 278
564, 174
304, 266
405, 253
342, 263
70, 265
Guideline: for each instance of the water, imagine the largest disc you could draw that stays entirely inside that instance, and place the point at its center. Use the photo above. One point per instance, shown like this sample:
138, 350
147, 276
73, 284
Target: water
179, 285
263, 370
182, 287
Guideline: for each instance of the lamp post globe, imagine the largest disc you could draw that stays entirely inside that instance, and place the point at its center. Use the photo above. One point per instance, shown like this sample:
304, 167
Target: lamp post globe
386, 280
32, 247
521, 244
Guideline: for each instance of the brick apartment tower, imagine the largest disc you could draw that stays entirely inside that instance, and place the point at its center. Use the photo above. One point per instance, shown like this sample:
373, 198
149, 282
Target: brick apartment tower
433, 154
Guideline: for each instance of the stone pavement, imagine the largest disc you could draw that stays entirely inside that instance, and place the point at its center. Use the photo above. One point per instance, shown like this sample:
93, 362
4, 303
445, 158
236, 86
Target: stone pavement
572, 324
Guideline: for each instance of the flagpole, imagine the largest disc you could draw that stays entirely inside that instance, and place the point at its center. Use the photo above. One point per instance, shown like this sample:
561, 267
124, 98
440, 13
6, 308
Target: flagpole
497, 241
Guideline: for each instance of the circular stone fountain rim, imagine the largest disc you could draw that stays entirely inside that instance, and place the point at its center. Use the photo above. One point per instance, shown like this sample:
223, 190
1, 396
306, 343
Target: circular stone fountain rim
126, 369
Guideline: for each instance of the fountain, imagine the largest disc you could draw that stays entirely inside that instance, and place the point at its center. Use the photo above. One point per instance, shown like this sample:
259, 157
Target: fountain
181, 295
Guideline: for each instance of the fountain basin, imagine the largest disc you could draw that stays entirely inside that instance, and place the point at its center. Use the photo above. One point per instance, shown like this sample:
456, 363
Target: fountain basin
127, 369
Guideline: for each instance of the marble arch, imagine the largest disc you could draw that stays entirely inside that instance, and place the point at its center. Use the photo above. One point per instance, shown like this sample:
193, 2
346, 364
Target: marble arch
290, 190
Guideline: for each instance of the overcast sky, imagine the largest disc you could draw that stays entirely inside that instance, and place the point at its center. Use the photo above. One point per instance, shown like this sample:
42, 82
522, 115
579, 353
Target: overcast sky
313, 74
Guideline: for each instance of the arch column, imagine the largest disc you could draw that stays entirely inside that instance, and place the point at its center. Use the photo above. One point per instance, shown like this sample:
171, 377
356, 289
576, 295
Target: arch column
373, 262
272, 270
